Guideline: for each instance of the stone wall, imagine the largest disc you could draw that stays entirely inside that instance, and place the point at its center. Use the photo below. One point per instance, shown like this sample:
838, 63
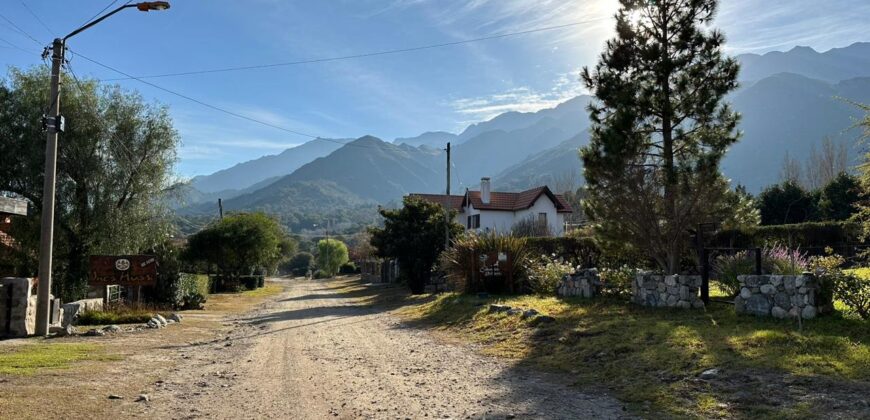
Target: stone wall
23, 314
660, 291
583, 283
779, 296
72, 310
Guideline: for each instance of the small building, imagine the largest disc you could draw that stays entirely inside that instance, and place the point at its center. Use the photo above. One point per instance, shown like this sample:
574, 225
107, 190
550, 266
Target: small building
487, 210
9, 207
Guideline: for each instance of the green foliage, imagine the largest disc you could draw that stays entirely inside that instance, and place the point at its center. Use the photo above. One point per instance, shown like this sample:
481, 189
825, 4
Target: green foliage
239, 244
118, 315
348, 268
31, 358
299, 265
787, 203
414, 235
802, 235
194, 301
728, 267
193, 290
617, 281
854, 291
743, 211
659, 127
115, 161
544, 273
462, 262
839, 199
331, 255
775, 259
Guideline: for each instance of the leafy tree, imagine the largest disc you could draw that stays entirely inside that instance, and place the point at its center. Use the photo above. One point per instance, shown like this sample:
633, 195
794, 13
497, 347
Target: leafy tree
531, 226
238, 244
864, 171
659, 126
115, 160
299, 264
787, 203
331, 254
414, 235
743, 212
839, 199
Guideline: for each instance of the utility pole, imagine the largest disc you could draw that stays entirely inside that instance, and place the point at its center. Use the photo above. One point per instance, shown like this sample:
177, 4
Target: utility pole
447, 204
327, 242
46, 237
54, 125
221, 208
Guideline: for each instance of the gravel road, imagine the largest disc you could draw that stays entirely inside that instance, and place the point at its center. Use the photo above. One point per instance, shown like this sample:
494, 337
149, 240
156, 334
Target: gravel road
317, 351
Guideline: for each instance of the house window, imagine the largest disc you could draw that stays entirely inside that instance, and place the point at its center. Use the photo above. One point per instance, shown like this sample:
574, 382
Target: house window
474, 221
542, 218
468, 223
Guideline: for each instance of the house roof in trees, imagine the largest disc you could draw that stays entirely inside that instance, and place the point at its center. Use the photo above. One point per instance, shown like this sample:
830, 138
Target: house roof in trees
14, 206
500, 201
514, 201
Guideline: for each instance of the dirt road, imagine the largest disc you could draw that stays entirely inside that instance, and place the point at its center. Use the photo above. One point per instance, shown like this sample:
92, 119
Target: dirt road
325, 350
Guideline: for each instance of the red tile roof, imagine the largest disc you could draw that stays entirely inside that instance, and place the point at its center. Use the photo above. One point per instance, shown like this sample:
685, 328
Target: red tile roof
455, 201
501, 201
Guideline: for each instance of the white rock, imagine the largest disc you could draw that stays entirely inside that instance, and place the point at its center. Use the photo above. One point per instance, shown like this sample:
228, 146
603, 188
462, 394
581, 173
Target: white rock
709, 373
160, 319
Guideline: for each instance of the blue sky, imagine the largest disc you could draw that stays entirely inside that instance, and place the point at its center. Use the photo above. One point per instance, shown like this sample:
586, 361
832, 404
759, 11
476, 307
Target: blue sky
387, 96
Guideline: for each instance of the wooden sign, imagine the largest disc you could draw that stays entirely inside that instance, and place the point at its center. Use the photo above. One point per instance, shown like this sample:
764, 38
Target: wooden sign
125, 270
495, 264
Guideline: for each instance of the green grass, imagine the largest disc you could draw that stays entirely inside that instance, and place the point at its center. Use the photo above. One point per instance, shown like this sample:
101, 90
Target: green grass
268, 290
647, 355
28, 359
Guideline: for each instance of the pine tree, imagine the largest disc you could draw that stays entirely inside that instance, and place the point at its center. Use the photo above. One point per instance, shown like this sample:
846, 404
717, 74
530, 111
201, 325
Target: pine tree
660, 126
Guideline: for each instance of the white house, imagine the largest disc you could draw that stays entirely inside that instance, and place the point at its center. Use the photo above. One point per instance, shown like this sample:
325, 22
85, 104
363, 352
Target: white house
487, 210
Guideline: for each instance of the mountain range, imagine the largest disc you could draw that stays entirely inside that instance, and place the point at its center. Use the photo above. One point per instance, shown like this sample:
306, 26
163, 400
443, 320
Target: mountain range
789, 101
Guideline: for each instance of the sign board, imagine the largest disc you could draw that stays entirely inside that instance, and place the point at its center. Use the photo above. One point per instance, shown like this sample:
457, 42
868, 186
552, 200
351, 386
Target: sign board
125, 270
495, 264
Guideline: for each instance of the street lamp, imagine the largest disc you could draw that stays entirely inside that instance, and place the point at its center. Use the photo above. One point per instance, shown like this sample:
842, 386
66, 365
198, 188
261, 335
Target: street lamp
54, 125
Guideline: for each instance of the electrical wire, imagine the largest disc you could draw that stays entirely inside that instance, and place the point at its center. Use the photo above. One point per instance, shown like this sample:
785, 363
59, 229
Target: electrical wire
11, 45
362, 55
35, 16
101, 11
217, 108
21, 31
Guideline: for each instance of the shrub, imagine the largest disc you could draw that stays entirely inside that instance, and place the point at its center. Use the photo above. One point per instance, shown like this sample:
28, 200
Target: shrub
348, 268
545, 273
774, 260
331, 255
617, 281
531, 226
194, 300
803, 235
121, 314
462, 262
299, 265
854, 291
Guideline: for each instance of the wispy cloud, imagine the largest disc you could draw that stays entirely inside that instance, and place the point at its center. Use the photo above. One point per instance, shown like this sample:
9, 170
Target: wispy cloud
200, 152
521, 99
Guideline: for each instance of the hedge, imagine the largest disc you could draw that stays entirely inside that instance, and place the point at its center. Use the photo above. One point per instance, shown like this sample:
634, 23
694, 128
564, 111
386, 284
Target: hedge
809, 235
189, 284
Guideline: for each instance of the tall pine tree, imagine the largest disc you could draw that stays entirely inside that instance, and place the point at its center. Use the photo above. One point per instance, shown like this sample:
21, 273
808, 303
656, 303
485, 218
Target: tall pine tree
660, 126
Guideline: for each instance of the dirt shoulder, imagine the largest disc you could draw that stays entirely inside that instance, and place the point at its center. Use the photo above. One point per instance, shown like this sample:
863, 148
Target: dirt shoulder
125, 364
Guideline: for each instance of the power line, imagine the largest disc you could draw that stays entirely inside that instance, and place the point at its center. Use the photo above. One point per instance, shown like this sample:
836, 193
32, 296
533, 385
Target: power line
21, 31
11, 45
362, 55
35, 16
214, 107
101, 11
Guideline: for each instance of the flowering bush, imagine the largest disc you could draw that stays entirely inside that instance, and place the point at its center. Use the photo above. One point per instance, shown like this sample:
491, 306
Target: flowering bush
617, 281
775, 259
545, 272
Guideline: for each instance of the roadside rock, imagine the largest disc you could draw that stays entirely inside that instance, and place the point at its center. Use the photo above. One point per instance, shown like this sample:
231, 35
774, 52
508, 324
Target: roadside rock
115, 397
63, 331
95, 333
143, 398
112, 329
175, 317
493, 308
161, 319
154, 323
530, 313
709, 374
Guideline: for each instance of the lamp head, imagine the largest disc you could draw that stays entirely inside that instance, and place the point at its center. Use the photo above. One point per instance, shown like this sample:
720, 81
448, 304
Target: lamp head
152, 5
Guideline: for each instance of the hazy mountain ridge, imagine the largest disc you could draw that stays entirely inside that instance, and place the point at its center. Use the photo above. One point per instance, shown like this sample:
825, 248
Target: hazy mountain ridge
781, 112
832, 66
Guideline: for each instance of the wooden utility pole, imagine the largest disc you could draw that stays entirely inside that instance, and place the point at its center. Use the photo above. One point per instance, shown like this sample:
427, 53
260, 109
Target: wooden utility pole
447, 204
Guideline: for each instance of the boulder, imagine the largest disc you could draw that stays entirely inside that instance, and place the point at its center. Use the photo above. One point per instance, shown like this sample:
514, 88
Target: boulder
809, 312
95, 333
709, 374
63, 331
160, 319
757, 305
778, 312
529, 313
112, 329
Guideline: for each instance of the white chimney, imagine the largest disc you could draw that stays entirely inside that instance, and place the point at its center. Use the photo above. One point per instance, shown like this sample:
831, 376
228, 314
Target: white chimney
484, 190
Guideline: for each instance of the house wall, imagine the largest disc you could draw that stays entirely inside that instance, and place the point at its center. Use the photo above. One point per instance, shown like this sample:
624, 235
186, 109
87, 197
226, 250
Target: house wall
503, 221
544, 205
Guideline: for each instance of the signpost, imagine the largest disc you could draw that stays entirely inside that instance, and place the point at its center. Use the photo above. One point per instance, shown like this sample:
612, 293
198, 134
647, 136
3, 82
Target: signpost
124, 270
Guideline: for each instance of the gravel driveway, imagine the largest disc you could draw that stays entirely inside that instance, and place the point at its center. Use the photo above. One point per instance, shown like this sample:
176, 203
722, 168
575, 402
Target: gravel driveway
318, 351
